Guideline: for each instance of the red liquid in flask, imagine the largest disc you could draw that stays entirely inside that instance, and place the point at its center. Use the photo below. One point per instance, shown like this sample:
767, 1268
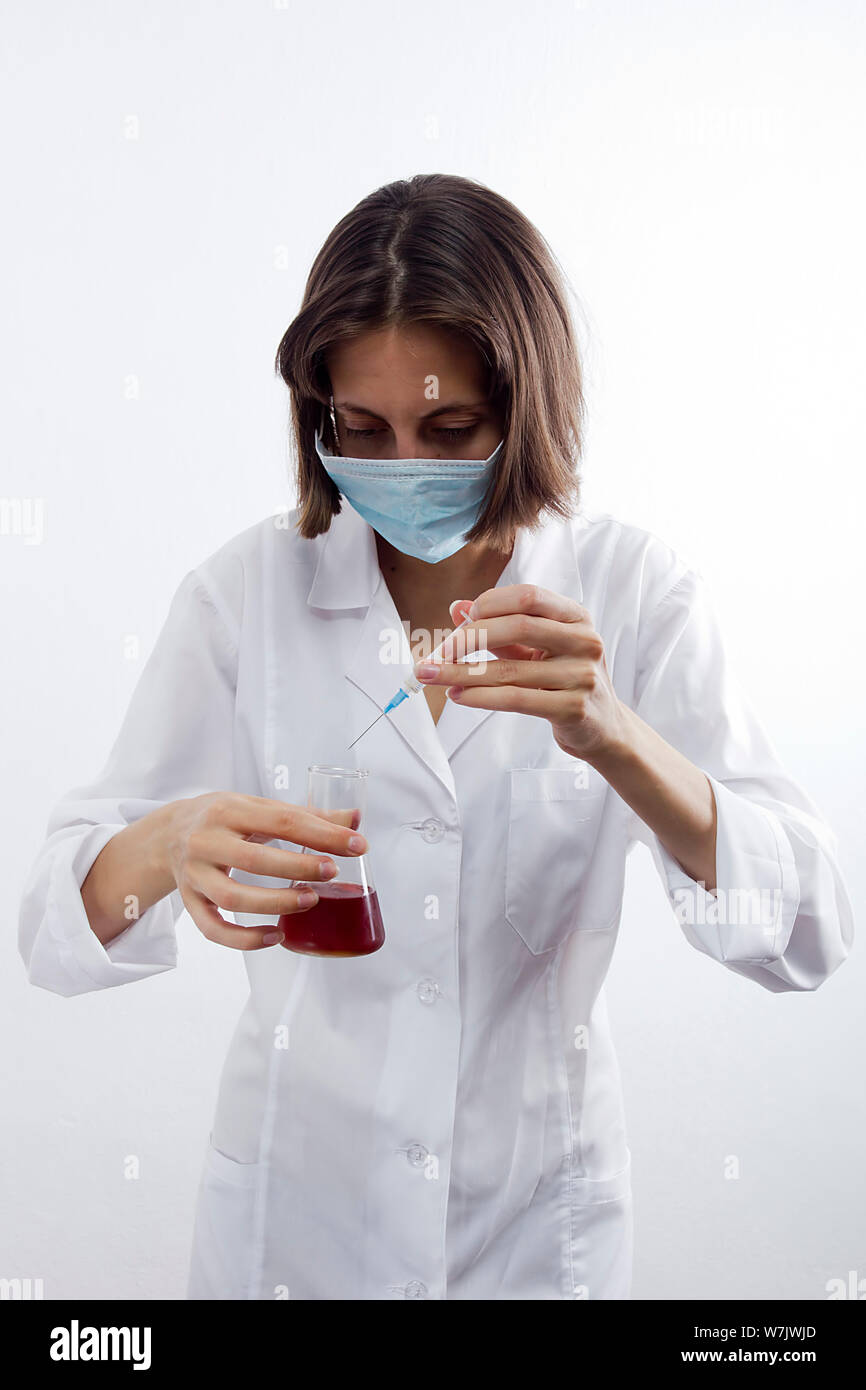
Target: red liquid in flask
346, 921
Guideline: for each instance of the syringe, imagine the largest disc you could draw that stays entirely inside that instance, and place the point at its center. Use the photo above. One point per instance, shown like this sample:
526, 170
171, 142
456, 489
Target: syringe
411, 684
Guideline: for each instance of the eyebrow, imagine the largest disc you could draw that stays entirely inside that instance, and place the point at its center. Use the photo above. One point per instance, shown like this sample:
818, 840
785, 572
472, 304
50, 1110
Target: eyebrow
440, 409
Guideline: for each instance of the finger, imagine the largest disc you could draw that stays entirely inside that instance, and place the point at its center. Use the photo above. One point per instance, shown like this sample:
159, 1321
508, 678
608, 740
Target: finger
274, 820
530, 598
459, 610
511, 650
351, 818
221, 932
238, 852
525, 629
560, 673
517, 652
230, 895
545, 704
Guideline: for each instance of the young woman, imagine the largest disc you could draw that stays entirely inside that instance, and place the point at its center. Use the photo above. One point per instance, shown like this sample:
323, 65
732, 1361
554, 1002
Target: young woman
440, 1118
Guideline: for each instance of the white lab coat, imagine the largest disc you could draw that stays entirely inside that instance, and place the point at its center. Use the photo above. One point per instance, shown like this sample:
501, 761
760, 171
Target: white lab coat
443, 1118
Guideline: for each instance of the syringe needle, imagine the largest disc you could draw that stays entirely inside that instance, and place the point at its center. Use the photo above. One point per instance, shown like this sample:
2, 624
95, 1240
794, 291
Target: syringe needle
367, 730
411, 684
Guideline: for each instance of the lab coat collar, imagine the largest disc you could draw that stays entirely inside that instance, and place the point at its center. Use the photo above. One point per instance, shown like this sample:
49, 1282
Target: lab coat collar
347, 574
348, 577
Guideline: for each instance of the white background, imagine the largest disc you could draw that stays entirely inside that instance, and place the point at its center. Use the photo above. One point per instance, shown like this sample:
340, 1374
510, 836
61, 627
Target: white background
173, 169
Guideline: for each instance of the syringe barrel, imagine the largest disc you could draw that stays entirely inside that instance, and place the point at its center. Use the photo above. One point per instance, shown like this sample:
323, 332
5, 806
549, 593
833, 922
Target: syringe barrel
437, 651
411, 684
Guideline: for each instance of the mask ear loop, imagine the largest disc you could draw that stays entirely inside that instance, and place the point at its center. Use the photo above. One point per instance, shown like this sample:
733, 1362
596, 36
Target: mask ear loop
334, 424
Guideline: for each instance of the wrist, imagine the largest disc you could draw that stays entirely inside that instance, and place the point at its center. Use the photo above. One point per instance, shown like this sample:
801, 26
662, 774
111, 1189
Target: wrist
160, 849
618, 747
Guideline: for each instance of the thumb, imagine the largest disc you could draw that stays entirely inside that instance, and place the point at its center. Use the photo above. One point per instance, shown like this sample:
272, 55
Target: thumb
459, 609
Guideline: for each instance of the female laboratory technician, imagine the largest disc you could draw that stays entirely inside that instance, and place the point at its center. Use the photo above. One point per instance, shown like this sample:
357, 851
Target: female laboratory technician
442, 1118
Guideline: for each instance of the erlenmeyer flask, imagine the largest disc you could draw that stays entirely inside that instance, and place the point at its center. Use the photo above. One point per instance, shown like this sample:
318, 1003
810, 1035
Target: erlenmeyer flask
346, 921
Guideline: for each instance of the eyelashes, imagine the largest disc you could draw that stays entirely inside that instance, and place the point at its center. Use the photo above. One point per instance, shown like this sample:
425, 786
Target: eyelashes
451, 435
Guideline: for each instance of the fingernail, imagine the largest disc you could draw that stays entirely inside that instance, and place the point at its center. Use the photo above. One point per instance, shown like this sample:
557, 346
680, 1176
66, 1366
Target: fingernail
356, 842
425, 673
454, 692
270, 938
473, 611
307, 898
328, 869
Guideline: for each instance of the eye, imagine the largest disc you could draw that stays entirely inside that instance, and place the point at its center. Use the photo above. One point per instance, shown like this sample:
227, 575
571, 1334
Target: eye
454, 434
451, 435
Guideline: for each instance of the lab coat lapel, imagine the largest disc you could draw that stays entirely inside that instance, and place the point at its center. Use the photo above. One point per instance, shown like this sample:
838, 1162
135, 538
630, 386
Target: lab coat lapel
348, 576
373, 669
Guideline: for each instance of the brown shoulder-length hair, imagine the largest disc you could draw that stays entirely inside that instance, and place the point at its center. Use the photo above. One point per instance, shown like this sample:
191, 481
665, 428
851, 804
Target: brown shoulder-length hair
444, 250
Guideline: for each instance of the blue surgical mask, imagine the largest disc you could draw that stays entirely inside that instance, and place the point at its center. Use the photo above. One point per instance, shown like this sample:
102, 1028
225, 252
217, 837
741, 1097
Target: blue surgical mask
424, 507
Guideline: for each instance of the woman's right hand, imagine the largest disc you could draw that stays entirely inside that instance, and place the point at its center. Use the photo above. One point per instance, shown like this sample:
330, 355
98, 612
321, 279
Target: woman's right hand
210, 834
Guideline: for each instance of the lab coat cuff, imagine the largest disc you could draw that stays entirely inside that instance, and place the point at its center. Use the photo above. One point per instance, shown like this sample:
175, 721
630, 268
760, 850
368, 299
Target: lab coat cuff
751, 914
146, 947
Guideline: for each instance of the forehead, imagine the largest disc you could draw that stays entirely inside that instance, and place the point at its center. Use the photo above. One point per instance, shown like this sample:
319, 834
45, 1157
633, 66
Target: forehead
400, 360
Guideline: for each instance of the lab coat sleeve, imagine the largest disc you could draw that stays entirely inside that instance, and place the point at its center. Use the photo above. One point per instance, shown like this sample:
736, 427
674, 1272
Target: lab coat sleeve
175, 741
781, 914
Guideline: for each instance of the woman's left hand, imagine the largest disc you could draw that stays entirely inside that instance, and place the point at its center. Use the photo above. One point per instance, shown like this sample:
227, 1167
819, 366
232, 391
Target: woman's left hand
550, 663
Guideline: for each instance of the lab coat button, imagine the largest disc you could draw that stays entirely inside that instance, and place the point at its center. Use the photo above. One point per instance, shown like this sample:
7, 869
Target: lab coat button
417, 1155
432, 830
415, 1289
427, 991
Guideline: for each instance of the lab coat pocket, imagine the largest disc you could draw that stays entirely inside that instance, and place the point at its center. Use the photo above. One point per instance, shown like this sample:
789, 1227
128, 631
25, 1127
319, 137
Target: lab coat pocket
587, 1192
221, 1261
602, 1235
554, 818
